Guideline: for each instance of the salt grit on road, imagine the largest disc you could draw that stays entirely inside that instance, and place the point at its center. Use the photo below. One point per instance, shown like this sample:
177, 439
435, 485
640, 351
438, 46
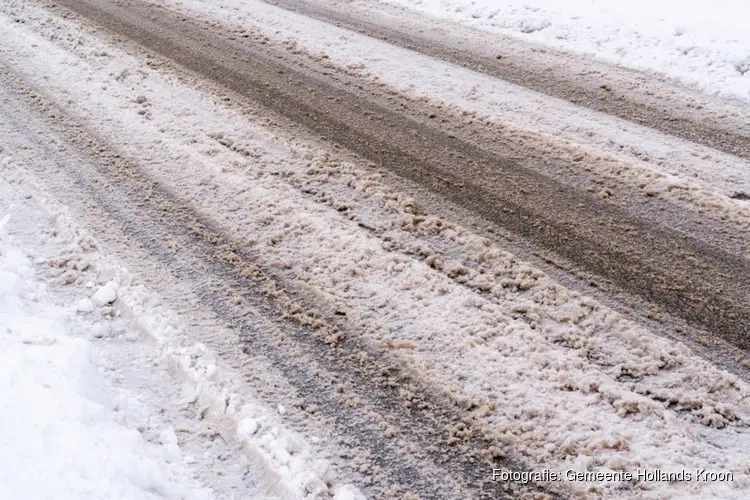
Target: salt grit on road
592, 390
702, 44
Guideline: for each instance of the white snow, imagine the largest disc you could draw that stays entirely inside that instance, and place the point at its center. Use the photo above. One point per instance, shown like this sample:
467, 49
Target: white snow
64, 434
703, 44
105, 295
85, 305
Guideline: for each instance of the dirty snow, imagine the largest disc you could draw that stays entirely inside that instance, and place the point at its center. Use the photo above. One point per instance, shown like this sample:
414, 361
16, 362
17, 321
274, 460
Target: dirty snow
567, 381
106, 389
699, 178
588, 389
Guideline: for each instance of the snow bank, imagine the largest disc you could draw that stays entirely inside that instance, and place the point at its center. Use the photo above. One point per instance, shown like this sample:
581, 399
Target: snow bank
62, 433
703, 44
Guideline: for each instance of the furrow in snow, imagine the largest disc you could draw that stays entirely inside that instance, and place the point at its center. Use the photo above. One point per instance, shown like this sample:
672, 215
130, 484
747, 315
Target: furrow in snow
212, 418
613, 158
403, 433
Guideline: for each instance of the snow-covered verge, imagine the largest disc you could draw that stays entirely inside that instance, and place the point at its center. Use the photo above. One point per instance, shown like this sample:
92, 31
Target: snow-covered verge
705, 45
67, 432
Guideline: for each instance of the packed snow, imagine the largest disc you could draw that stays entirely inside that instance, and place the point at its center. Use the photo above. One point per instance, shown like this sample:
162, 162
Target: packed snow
703, 44
104, 391
698, 178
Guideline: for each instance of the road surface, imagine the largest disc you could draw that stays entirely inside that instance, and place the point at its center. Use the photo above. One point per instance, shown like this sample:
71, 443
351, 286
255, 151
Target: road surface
549, 270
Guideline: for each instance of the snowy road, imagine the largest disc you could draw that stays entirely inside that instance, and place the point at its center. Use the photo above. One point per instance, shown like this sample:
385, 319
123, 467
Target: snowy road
380, 258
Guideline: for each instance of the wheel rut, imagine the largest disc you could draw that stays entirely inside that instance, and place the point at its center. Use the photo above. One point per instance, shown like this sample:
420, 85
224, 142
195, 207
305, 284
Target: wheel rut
690, 278
629, 95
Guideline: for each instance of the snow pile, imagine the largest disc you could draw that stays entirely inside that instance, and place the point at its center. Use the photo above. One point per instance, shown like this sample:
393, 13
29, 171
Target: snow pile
62, 432
702, 44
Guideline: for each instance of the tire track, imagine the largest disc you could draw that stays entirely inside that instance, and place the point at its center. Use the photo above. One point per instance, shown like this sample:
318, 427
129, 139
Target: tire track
439, 452
628, 97
689, 278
